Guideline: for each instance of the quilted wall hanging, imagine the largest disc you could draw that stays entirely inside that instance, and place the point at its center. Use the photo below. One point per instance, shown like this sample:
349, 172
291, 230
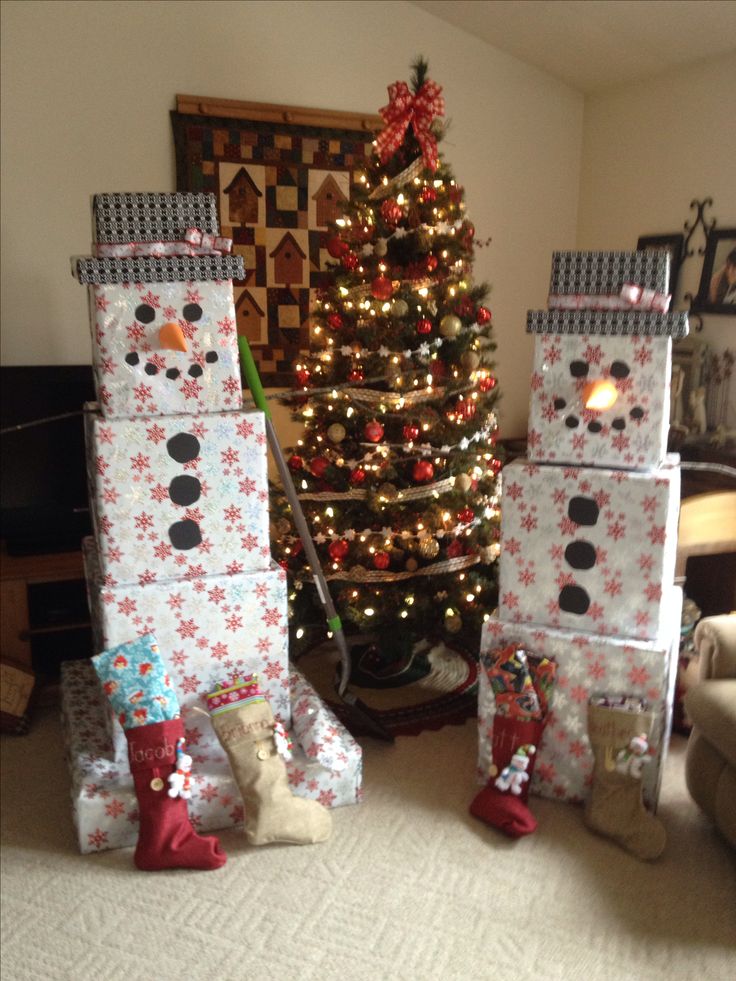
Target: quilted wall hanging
280, 175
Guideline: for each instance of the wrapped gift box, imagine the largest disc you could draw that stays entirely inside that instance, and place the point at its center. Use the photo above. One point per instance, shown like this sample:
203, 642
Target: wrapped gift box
136, 370
632, 433
587, 664
178, 496
209, 630
589, 549
326, 765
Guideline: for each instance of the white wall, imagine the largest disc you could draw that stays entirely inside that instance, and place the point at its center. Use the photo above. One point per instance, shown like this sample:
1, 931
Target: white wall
648, 150
86, 92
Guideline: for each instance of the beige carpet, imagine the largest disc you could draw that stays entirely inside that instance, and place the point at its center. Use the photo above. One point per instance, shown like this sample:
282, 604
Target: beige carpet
409, 888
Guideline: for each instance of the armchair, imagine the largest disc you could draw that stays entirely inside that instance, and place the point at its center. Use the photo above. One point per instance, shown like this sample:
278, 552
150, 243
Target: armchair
710, 763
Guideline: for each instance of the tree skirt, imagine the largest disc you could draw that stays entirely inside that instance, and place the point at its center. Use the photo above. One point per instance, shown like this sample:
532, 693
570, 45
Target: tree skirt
447, 695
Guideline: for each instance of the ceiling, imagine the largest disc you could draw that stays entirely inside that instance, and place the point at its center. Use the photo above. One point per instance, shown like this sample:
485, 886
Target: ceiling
596, 44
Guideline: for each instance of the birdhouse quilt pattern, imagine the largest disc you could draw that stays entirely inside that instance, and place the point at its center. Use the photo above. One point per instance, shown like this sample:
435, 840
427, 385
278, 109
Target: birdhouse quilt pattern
277, 186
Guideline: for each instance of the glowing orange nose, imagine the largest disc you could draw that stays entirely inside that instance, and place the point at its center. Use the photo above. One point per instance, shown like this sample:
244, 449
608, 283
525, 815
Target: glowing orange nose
599, 395
171, 337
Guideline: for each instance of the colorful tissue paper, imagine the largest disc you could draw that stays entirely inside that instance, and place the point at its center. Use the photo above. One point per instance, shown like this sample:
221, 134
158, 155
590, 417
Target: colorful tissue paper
586, 664
325, 765
178, 496
589, 549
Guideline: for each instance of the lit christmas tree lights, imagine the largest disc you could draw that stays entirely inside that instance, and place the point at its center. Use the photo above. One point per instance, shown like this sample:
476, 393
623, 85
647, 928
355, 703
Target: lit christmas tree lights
397, 468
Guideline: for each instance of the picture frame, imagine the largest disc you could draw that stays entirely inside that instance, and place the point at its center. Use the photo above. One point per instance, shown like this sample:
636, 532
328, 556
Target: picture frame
280, 174
672, 243
717, 291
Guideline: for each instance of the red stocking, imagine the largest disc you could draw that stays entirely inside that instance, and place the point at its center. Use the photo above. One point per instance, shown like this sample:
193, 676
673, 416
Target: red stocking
504, 809
166, 838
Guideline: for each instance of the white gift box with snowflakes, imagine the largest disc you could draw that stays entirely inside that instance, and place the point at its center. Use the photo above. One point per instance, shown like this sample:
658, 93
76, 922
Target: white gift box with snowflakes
587, 664
164, 348
631, 432
178, 496
209, 630
326, 765
589, 549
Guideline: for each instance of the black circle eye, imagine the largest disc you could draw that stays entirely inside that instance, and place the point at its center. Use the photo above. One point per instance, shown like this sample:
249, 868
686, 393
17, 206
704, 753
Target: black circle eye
195, 371
192, 312
619, 369
594, 426
145, 314
172, 373
578, 369
211, 357
618, 423
151, 369
132, 358
559, 404
637, 412
572, 422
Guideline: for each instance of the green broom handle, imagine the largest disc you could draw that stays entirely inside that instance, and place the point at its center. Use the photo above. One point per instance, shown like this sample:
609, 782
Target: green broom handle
252, 378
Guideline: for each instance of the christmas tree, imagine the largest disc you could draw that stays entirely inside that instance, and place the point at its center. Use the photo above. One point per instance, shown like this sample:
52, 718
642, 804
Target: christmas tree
397, 469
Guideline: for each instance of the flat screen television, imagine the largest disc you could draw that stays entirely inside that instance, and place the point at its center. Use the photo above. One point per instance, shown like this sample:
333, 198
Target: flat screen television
43, 485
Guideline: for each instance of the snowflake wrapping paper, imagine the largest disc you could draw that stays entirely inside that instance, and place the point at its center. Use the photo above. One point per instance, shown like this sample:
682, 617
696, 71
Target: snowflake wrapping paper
326, 765
589, 549
139, 371
632, 433
178, 496
209, 630
586, 664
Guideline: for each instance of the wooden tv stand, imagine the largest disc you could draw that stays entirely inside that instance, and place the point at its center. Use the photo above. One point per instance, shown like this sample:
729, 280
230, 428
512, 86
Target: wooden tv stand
23, 619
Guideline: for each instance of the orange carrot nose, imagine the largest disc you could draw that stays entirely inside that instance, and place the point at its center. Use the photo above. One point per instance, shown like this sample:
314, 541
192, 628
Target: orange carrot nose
171, 337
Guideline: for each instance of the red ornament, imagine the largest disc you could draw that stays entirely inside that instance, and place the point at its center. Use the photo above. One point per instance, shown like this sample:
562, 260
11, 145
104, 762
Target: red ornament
411, 431
382, 288
349, 261
381, 560
431, 263
319, 465
483, 315
373, 431
486, 383
427, 194
357, 476
496, 465
391, 212
465, 307
302, 377
297, 547
336, 247
455, 549
335, 321
423, 471
456, 193
466, 515
338, 549
362, 233
356, 375
424, 326
465, 408
295, 463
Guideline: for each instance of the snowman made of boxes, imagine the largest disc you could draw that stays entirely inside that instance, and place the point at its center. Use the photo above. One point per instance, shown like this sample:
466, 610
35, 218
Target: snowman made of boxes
589, 536
188, 608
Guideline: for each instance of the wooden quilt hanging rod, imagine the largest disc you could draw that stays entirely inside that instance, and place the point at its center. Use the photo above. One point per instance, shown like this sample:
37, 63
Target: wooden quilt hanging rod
197, 105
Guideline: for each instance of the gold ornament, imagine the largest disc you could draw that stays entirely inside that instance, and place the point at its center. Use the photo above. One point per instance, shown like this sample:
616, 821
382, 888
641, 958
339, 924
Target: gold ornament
463, 482
399, 307
486, 554
336, 432
470, 360
411, 565
388, 492
450, 325
428, 547
380, 247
